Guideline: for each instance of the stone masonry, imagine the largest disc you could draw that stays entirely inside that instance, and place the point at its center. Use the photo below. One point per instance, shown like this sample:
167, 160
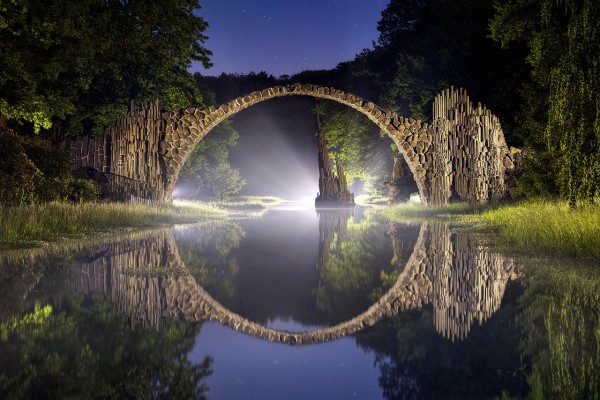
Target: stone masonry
462, 155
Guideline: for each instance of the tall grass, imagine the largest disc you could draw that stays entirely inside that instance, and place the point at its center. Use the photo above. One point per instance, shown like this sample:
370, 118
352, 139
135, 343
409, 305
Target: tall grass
49, 221
417, 211
536, 227
543, 227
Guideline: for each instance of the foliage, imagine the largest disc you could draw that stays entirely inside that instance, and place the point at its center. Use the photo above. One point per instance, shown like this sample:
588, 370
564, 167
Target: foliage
209, 158
428, 45
227, 87
535, 177
54, 220
83, 61
560, 323
355, 142
564, 54
86, 349
32, 171
224, 181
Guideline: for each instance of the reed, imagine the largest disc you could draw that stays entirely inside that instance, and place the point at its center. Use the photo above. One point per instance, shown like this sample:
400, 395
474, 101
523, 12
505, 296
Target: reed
537, 227
417, 211
546, 227
51, 221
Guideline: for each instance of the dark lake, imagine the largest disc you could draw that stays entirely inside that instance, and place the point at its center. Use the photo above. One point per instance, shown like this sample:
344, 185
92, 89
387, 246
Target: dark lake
297, 304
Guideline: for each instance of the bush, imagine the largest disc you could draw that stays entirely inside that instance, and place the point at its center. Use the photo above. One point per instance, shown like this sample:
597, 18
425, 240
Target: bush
224, 181
81, 190
32, 171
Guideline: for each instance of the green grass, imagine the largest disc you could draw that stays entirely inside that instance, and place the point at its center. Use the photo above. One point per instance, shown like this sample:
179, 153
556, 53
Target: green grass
374, 201
542, 227
247, 202
420, 212
28, 224
534, 227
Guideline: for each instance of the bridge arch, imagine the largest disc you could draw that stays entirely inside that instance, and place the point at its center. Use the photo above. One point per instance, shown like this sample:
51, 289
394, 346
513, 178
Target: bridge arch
461, 155
185, 128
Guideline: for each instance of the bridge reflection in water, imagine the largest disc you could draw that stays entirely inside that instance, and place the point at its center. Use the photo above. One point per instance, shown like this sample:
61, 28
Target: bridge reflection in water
147, 280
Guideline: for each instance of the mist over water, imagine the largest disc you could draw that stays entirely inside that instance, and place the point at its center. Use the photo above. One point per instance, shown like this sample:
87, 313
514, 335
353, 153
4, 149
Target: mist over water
277, 150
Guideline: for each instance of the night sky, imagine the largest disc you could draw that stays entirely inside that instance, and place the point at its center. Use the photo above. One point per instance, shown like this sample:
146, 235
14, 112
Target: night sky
287, 36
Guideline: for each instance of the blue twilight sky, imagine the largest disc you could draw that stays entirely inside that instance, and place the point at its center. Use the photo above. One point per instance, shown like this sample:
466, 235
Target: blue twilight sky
287, 36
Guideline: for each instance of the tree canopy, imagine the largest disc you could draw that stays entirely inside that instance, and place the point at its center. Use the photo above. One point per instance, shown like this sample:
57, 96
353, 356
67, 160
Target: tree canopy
81, 62
563, 40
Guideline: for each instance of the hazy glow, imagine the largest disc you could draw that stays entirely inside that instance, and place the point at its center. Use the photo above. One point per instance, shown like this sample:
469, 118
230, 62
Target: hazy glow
185, 191
300, 204
277, 151
415, 198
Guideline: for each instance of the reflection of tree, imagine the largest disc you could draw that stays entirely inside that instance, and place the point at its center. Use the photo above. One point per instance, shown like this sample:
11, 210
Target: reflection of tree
208, 249
352, 258
87, 350
26, 279
561, 331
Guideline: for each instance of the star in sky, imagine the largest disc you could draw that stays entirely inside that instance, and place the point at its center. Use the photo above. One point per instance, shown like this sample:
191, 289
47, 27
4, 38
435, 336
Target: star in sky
287, 36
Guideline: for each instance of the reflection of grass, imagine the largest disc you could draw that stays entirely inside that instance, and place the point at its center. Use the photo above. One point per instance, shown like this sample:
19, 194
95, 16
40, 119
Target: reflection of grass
538, 227
43, 222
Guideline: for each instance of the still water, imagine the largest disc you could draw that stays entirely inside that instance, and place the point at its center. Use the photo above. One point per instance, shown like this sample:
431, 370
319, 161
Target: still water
297, 304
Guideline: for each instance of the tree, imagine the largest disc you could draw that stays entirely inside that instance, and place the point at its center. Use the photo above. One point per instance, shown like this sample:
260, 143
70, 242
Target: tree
357, 143
86, 349
209, 153
564, 54
428, 45
83, 61
224, 181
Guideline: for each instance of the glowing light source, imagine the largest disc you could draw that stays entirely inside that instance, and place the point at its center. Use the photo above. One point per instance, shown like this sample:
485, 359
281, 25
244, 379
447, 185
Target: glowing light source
415, 198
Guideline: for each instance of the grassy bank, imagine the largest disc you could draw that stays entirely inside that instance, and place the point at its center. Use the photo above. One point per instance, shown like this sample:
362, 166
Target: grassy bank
535, 227
21, 226
251, 203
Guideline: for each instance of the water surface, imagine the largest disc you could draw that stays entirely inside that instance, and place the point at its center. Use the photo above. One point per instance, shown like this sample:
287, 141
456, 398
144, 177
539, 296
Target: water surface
297, 304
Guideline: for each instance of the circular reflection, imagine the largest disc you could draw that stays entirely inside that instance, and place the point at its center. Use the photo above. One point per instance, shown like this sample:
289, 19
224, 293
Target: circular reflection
146, 279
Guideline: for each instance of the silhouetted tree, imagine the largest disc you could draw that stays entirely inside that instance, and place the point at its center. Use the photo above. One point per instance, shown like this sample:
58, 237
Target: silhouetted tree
83, 61
561, 121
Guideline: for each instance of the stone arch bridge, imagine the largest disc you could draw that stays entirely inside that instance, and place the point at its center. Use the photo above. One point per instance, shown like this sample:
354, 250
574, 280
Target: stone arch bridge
460, 155
463, 282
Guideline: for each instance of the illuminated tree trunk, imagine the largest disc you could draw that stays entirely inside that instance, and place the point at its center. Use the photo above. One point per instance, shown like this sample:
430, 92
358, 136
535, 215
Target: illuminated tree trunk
333, 190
